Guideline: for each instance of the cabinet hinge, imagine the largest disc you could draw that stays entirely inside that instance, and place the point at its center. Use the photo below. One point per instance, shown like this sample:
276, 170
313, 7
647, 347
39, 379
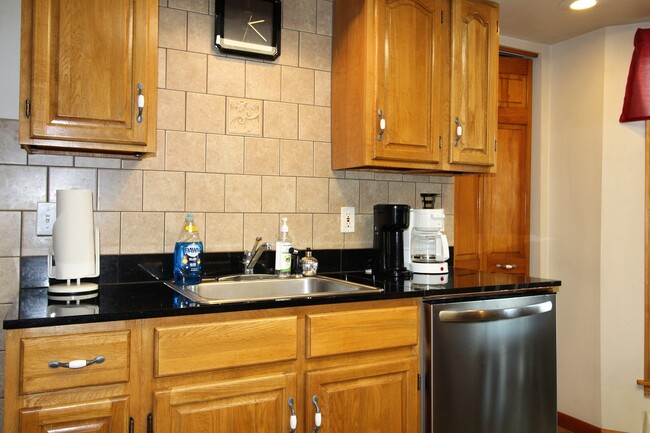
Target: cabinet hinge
419, 382
131, 425
150, 423
495, 145
28, 107
440, 142
442, 17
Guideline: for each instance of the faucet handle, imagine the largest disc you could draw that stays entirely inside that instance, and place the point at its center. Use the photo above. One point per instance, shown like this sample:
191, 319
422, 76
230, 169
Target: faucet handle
257, 242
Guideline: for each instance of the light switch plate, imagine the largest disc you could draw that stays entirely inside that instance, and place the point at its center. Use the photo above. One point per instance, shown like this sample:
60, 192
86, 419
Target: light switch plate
347, 220
45, 217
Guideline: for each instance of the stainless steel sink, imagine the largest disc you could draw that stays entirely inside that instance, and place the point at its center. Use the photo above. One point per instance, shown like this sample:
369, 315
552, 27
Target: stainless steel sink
246, 289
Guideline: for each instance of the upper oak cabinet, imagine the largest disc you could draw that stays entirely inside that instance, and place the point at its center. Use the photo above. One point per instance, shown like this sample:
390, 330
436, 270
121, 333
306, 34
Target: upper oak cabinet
395, 95
89, 77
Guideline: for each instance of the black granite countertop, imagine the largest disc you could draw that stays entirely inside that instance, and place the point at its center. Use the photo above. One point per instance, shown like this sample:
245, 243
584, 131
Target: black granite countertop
129, 300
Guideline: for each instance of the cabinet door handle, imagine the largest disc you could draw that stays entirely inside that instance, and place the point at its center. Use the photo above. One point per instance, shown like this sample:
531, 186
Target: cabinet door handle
382, 124
131, 425
507, 266
318, 419
140, 102
293, 420
459, 131
77, 363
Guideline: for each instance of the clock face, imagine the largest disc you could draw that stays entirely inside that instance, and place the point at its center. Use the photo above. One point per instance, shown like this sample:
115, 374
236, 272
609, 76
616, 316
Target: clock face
249, 27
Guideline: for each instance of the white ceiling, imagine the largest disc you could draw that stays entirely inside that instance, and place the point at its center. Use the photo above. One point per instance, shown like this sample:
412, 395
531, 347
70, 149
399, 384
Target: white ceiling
543, 21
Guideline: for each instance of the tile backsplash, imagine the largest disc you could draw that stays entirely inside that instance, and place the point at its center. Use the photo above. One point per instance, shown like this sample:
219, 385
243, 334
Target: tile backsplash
241, 143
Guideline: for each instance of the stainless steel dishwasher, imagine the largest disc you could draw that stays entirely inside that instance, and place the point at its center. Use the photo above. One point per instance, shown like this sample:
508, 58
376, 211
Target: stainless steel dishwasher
490, 366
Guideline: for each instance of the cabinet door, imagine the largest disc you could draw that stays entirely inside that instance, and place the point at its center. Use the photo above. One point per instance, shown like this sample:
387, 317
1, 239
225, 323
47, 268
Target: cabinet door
474, 82
408, 81
102, 416
467, 221
256, 405
83, 63
381, 397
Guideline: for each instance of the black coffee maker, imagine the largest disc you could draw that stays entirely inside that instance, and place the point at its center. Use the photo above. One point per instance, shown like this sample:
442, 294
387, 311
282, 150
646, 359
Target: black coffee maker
390, 222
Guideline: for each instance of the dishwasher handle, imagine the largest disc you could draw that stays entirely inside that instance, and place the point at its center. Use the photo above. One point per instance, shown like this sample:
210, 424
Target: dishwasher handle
497, 314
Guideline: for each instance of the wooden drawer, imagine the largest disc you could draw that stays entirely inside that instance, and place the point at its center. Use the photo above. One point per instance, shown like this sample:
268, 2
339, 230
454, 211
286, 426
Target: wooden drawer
36, 353
362, 330
213, 346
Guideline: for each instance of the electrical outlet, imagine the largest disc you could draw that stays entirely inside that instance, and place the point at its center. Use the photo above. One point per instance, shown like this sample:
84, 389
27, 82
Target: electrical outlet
45, 217
347, 220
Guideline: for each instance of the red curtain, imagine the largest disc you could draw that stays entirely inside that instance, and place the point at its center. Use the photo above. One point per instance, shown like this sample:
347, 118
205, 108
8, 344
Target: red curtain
636, 105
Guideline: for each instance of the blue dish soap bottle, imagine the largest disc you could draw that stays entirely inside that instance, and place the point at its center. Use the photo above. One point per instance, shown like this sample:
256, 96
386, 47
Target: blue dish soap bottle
188, 255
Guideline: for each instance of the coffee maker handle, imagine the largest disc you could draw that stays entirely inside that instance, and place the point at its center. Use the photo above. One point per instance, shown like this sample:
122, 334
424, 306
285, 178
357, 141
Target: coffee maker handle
443, 254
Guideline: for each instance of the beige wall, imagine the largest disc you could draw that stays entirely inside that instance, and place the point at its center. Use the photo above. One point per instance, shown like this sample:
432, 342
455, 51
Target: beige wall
237, 182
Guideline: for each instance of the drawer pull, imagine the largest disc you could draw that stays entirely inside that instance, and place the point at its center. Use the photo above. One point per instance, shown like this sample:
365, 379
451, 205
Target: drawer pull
293, 419
77, 363
508, 266
317, 417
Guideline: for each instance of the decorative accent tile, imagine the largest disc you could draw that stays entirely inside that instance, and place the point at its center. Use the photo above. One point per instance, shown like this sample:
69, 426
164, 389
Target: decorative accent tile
244, 117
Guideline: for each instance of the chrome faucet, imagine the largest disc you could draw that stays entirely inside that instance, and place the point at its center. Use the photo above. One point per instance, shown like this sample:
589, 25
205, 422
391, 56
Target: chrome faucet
251, 257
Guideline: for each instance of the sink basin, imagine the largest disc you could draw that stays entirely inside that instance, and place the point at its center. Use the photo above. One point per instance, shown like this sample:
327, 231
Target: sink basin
246, 290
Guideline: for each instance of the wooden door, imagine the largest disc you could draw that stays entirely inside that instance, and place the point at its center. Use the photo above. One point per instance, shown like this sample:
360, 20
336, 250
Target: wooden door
253, 405
475, 53
492, 211
84, 61
408, 81
381, 397
102, 416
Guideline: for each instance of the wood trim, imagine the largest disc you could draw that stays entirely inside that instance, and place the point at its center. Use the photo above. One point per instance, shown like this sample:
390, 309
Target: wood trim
645, 382
518, 52
574, 425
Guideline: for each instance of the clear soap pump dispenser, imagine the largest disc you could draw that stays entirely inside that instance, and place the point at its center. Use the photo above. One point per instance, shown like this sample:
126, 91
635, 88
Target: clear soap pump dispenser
282, 252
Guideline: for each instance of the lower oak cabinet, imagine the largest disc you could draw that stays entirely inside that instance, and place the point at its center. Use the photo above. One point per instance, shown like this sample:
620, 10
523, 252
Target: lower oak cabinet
337, 368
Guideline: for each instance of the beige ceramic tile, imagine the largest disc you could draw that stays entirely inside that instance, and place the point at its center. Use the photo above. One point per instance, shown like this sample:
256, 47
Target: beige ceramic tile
22, 187
323, 161
175, 224
363, 175
187, 71
278, 194
156, 162
401, 192
119, 190
263, 81
312, 195
363, 233
262, 156
226, 76
171, 110
297, 85
449, 229
265, 225
204, 192
300, 230
324, 17
10, 150
244, 116
427, 188
243, 193
289, 49
314, 123
322, 88
224, 154
448, 201
296, 158
190, 5
32, 245
10, 228
343, 192
388, 176
164, 191
172, 28
299, 15
206, 113
224, 232
372, 192
162, 68
72, 178
421, 178
200, 31
185, 151
142, 232
315, 52
109, 231
327, 233
91, 162
10, 277
280, 120
50, 160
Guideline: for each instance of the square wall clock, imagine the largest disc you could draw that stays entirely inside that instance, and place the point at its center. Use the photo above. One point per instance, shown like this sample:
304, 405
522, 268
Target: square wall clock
249, 27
